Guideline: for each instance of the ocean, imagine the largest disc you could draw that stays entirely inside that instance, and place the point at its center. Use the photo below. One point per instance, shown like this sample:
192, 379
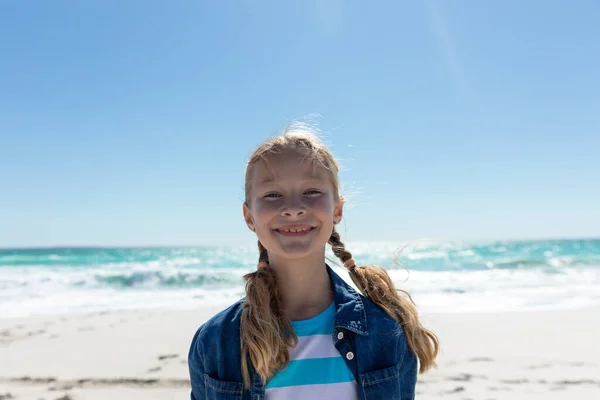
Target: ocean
442, 276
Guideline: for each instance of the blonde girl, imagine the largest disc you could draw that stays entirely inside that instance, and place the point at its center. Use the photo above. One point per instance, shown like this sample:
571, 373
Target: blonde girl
301, 332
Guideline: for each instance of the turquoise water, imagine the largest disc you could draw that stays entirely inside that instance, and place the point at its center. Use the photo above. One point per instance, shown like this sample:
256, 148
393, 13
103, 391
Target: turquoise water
444, 276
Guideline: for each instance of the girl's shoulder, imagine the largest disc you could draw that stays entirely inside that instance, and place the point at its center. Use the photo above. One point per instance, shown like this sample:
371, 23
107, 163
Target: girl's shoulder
224, 324
379, 321
216, 348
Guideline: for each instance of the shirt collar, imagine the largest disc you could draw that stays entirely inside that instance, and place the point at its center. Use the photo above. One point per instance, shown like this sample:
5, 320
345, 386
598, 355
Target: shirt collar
350, 309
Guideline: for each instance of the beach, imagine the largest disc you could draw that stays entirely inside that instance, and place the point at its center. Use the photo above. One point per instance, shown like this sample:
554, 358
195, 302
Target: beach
143, 354
516, 319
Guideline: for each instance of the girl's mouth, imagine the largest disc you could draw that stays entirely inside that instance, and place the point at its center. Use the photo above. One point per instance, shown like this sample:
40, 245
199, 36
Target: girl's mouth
294, 231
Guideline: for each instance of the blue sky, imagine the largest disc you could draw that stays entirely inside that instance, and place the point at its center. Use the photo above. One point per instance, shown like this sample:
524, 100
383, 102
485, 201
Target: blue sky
129, 122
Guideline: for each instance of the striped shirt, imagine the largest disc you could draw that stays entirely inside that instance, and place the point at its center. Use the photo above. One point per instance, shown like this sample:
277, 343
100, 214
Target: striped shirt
316, 370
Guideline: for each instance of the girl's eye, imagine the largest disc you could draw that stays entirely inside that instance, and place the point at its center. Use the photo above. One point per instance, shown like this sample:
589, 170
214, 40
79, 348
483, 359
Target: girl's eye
312, 192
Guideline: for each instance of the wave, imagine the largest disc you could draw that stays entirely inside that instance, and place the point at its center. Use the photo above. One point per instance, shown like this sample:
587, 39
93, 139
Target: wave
86, 257
166, 280
121, 278
434, 291
442, 277
428, 256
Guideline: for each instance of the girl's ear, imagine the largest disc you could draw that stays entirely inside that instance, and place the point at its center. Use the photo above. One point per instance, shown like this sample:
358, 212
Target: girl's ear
248, 217
338, 212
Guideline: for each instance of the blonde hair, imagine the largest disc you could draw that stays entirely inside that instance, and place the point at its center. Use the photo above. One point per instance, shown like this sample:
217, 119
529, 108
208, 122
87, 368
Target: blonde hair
266, 334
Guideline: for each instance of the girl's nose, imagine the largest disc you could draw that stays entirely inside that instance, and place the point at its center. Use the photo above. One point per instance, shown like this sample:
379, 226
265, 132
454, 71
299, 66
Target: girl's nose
294, 212
294, 208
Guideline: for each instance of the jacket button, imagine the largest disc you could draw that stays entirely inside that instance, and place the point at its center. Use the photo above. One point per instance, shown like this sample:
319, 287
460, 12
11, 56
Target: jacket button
349, 355
340, 335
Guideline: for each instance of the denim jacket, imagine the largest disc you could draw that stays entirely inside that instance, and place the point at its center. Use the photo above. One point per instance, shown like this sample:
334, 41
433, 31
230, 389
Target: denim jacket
372, 344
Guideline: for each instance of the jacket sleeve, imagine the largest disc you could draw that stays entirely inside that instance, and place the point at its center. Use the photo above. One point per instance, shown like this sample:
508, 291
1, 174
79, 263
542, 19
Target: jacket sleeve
196, 368
408, 371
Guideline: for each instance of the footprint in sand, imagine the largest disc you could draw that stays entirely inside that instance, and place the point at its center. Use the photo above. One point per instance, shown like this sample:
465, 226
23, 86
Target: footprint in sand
557, 388
578, 382
61, 387
164, 359
515, 381
581, 364
457, 389
540, 366
499, 389
34, 380
481, 359
462, 377
167, 356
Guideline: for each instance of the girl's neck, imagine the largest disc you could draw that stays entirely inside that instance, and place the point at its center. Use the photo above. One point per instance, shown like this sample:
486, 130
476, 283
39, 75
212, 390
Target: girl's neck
304, 286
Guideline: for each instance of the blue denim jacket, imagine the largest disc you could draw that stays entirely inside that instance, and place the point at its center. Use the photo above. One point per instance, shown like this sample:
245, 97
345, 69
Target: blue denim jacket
373, 346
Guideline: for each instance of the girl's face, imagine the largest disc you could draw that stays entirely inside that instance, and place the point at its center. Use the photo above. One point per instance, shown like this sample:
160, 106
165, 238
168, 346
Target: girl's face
292, 205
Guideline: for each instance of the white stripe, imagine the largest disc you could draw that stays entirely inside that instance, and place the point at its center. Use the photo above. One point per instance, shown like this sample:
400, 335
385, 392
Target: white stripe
315, 346
337, 391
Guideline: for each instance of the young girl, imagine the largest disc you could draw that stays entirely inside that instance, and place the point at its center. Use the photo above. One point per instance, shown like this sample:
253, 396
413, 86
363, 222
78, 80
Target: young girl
301, 332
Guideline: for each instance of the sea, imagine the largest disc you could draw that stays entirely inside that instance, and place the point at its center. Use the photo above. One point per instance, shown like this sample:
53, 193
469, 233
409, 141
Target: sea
442, 277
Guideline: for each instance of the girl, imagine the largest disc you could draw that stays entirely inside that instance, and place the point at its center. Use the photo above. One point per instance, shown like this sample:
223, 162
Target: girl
301, 332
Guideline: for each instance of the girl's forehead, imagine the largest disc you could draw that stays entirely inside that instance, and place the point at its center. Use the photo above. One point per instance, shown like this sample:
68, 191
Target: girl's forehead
289, 165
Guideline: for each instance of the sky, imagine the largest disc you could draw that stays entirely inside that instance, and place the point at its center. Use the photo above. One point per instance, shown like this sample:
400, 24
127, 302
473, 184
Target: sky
128, 123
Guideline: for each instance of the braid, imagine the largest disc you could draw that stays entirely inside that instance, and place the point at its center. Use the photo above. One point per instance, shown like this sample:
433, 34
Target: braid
263, 255
266, 334
338, 247
375, 283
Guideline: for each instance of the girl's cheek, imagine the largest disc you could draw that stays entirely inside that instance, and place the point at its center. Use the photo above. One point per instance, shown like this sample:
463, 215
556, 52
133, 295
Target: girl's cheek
323, 203
266, 206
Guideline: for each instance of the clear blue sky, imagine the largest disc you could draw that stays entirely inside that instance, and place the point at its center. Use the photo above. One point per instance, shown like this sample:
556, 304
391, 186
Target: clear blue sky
129, 122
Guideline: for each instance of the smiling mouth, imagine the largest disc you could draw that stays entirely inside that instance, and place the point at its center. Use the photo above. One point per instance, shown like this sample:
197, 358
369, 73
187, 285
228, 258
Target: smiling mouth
298, 231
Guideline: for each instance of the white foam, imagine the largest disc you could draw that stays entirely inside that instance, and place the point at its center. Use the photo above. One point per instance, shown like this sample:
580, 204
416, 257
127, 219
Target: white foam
43, 290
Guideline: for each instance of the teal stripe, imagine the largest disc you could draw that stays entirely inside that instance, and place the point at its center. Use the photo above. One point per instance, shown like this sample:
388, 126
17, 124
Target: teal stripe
321, 324
326, 329
312, 371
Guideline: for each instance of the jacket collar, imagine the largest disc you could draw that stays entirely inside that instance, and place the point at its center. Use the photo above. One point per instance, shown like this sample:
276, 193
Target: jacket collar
350, 308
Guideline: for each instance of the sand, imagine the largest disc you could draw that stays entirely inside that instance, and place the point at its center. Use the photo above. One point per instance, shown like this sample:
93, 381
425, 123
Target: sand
143, 354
